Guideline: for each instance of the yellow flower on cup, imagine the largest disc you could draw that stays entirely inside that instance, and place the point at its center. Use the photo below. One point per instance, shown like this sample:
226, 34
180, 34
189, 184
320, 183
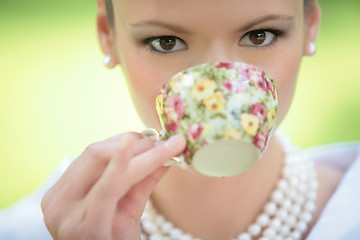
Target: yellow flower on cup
250, 123
160, 103
232, 133
175, 83
203, 89
215, 103
271, 117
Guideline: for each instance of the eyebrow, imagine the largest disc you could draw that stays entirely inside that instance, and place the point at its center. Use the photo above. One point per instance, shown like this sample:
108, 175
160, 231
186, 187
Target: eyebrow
266, 18
173, 28
179, 29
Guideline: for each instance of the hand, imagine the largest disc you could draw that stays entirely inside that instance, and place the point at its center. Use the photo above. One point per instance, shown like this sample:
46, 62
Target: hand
104, 191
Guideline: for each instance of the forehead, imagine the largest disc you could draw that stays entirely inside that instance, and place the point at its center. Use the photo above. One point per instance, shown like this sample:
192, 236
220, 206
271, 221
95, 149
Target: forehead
189, 11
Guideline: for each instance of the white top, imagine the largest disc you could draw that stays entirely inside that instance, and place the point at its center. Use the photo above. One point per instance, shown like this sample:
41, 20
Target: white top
340, 218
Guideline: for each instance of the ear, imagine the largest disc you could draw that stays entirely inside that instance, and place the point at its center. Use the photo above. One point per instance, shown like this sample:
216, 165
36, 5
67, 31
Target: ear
312, 23
106, 34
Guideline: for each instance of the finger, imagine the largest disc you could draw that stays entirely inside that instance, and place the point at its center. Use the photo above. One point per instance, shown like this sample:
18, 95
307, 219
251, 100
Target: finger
122, 173
94, 149
147, 162
116, 138
99, 150
99, 154
64, 202
118, 178
94, 168
87, 169
104, 195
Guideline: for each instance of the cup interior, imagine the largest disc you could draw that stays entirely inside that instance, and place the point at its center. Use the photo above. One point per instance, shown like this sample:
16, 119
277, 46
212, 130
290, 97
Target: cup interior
221, 158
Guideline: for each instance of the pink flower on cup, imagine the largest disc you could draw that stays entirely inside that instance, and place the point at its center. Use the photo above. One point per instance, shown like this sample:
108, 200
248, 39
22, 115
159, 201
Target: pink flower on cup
233, 86
271, 87
227, 65
246, 71
171, 119
173, 127
227, 84
259, 110
187, 151
260, 141
261, 84
195, 130
164, 89
266, 132
258, 78
177, 103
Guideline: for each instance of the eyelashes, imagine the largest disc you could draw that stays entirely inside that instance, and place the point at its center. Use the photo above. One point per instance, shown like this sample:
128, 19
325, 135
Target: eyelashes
159, 44
270, 31
165, 44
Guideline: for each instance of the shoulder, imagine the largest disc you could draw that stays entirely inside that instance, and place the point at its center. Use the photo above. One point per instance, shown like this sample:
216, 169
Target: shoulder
338, 173
333, 163
338, 156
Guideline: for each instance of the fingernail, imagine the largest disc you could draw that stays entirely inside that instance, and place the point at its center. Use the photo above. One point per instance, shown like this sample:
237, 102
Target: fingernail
174, 142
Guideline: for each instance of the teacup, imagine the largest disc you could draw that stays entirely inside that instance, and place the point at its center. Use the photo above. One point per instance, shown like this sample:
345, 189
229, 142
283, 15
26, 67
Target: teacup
226, 111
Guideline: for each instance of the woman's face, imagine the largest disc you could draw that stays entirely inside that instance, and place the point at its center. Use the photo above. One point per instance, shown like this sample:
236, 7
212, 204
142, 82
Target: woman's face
155, 39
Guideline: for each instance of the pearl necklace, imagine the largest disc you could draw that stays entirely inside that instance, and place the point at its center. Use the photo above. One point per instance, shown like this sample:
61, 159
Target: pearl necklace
285, 216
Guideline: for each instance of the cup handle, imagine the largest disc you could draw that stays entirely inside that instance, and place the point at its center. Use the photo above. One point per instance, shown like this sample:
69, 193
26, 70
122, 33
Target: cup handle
157, 136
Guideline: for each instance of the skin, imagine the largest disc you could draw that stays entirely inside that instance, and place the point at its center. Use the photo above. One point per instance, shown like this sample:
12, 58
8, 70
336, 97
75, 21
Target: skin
204, 44
280, 60
111, 182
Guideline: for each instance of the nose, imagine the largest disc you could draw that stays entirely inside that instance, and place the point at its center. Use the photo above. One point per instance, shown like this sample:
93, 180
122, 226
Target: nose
217, 51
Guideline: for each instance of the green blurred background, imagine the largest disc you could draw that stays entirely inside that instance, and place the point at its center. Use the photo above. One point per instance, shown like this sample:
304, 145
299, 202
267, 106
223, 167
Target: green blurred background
56, 97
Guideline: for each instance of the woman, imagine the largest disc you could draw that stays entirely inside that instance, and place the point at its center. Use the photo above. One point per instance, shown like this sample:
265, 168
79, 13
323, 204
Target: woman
103, 193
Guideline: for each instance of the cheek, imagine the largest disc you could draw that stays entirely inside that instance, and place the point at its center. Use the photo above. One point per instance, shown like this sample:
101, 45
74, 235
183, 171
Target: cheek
144, 83
145, 75
284, 70
286, 88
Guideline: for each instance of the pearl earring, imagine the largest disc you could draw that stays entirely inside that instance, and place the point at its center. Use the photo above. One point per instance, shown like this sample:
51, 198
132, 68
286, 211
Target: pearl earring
312, 48
108, 61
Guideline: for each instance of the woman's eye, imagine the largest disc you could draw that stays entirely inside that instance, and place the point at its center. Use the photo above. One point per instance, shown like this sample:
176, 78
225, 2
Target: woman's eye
165, 44
260, 38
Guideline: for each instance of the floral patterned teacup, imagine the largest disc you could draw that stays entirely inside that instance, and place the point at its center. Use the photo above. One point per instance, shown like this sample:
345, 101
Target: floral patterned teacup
226, 111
